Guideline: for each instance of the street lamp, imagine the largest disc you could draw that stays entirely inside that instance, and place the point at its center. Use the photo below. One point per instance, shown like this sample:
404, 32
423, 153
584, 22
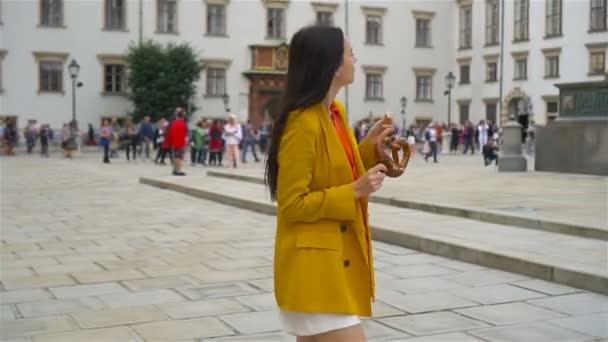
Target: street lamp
74, 69
450, 79
403, 104
226, 98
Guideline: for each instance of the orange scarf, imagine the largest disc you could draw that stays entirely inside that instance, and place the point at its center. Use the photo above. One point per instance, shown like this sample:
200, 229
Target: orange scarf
348, 149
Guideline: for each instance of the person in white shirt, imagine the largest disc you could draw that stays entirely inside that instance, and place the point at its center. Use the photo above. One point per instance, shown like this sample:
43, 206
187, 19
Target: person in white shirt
483, 133
233, 136
431, 137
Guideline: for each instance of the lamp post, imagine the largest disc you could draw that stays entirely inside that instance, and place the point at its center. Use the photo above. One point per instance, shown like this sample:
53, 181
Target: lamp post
450, 79
226, 98
403, 104
74, 69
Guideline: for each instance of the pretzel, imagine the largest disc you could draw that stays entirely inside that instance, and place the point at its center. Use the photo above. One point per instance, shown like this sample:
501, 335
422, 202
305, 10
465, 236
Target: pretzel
394, 166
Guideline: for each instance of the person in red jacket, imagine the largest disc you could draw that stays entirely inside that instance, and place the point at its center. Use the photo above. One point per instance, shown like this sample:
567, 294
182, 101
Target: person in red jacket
176, 139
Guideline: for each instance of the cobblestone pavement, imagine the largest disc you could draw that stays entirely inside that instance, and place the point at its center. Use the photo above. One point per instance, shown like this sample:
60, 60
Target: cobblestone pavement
88, 254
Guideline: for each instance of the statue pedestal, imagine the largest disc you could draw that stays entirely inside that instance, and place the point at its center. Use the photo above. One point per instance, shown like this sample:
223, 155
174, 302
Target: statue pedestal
511, 159
573, 146
446, 138
577, 142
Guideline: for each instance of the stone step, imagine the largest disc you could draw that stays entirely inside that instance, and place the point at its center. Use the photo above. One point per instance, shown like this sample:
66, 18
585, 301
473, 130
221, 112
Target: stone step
489, 216
565, 259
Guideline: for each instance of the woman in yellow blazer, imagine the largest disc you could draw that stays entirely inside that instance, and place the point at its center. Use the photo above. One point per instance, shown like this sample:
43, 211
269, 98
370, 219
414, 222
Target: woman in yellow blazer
320, 178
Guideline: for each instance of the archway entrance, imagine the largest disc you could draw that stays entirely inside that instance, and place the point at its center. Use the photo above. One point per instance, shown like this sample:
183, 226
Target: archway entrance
516, 105
267, 81
270, 110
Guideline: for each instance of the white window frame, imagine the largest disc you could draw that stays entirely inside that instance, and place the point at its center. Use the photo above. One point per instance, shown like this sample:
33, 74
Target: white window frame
597, 15
51, 19
552, 62
518, 58
465, 40
52, 57
165, 24
492, 21
424, 94
374, 16
521, 20
214, 65
423, 39
213, 28
553, 18
110, 10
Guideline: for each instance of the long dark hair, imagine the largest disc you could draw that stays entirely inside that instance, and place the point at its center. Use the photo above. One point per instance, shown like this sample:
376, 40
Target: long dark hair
315, 54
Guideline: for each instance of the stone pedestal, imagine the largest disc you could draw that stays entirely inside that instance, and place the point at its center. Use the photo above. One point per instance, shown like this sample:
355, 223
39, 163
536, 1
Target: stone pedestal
577, 142
446, 137
579, 146
511, 158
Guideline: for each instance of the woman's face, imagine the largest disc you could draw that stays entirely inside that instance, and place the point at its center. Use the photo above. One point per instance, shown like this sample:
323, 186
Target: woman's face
346, 72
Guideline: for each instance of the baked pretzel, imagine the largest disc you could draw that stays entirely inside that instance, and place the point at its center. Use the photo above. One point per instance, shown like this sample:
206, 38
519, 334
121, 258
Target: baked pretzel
394, 166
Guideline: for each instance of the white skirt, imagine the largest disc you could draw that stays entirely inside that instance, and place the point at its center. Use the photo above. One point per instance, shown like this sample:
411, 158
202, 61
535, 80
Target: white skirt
306, 324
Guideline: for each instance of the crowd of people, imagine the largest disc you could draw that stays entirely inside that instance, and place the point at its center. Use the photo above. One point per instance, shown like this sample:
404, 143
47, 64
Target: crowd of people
428, 139
211, 142
226, 142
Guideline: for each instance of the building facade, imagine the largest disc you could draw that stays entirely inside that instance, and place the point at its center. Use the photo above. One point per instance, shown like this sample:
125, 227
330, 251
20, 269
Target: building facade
403, 49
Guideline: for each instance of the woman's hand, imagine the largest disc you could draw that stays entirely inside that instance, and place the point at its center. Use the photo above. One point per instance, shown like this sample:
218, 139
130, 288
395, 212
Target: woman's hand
381, 129
370, 182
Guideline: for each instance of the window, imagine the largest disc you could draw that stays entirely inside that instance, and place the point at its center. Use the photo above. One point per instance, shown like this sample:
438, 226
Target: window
216, 81
465, 71
521, 66
551, 66
424, 83
114, 78
464, 112
167, 16
552, 107
491, 72
114, 15
324, 12
50, 71
424, 88
423, 33
597, 62
491, 112
51, 13
598, 15
51, 76
492, 22
553, 19
216, 20
373, 86
373, 30
325, 18
520, 24
466, 27
276, 23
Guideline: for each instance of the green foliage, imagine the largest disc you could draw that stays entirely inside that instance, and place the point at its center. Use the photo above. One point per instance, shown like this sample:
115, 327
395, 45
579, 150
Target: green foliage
161, 78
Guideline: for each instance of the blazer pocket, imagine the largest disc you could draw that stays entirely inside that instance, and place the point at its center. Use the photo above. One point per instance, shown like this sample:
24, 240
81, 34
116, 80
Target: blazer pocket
320, 240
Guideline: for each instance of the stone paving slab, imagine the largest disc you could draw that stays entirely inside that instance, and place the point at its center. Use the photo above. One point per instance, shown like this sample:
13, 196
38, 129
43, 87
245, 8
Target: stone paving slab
124, 316
433, 323
106, 205
470, 190
530, 252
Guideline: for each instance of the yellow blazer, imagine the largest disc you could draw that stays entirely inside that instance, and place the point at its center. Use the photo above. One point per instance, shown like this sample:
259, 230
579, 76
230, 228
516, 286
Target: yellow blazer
323, 258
